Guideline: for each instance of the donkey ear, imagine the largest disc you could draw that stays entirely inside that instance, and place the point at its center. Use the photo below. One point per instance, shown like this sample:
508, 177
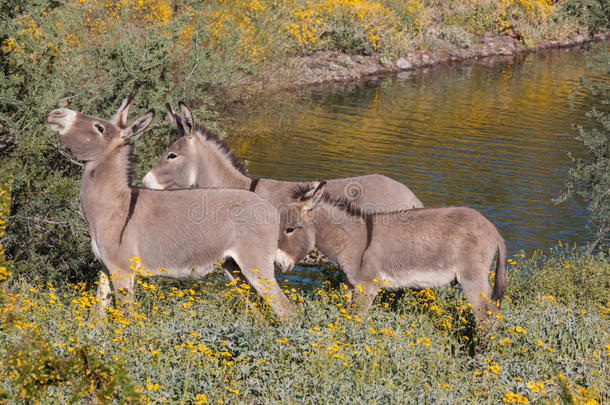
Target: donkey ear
187, 119
170, 113
174, 119
313, 196
139, 126
120, 117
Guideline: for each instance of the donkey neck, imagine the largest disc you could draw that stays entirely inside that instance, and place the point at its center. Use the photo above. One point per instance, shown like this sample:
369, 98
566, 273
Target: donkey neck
277, 192
105, 190
341, 236
218, 170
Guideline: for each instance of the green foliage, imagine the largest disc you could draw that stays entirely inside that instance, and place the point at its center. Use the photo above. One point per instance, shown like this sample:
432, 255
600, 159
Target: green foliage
456, 36
36, 370
347, 37
590, 178
476, 19
30, 362
568, 275
593, 14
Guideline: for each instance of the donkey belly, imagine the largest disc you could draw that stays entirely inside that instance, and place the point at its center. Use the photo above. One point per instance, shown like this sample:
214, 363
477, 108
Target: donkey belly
417, 278
187, 272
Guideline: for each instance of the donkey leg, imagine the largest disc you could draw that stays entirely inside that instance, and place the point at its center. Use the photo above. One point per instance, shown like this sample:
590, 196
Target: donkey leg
478, 293
103, 297
232, 272
362, 297
268, 288
361, 302
263, 281
123, 286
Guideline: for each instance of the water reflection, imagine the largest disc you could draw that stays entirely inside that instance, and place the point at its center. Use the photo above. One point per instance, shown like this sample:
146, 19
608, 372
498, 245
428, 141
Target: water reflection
493, 135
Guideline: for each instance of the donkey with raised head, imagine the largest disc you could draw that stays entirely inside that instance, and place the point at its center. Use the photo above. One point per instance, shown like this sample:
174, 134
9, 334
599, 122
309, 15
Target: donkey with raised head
419, 248
200, 159
179, 234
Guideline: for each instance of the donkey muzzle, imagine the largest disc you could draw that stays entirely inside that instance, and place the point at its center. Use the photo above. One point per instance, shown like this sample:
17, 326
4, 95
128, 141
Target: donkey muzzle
61, 119
284, 261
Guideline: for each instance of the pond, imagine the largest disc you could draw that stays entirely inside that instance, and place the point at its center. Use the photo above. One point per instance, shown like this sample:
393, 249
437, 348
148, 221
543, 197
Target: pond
492, 134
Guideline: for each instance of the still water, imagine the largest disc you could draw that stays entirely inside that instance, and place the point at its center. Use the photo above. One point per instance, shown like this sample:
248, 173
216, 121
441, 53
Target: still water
492, 134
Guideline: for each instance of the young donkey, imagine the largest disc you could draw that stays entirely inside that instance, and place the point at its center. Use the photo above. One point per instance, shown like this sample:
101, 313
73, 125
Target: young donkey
420, 248
200, 159
178, 234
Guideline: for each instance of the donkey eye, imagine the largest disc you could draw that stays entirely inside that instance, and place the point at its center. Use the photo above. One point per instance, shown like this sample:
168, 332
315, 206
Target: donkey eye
99, 128
172, 156
289, 231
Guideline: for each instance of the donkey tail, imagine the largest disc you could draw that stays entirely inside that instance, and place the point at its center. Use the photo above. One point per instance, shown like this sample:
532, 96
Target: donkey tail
500, 279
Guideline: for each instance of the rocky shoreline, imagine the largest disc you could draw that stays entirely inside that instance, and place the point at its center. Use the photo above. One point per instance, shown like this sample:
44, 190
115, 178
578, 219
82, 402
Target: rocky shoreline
334, 66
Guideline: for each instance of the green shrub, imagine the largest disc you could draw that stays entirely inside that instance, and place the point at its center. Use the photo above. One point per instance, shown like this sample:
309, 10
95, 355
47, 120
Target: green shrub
590, 178
476, 19
456, 36
593, 14
567, 274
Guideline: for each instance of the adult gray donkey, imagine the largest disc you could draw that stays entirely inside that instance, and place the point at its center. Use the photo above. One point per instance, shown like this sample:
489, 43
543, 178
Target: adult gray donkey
178, 234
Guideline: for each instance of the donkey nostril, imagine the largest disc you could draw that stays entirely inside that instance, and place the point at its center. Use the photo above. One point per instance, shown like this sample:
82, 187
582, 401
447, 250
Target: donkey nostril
55, 114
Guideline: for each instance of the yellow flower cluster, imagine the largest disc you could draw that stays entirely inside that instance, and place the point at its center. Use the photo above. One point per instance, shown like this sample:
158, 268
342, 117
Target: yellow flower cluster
536, 10
447, 317
5, 207
21, 47
245, 20
148, 11
308, 21
511, 397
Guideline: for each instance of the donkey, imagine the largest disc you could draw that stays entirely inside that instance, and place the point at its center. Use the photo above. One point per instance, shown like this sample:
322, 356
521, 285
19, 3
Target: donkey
179, 234
200, 159
419, 248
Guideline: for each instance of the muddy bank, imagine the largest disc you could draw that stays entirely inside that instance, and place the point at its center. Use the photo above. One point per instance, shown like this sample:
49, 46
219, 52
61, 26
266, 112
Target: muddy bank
333, 66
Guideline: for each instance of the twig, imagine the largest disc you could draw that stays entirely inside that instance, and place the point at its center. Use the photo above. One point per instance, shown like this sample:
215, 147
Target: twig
33, 219
597, 241
194, 67
64, 154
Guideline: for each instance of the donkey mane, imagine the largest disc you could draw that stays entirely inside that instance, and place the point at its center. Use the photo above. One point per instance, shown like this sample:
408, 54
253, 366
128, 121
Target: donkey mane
342, 203
346, 205
130, 165
223, 146
300, 190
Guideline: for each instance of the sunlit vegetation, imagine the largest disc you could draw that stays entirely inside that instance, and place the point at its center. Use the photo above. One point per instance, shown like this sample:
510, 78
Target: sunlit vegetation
199, 343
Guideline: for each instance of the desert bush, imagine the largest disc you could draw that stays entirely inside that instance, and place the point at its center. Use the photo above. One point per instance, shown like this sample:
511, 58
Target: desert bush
476, 18
353, 26
593, 14
31, 363
565, 273
456, 36
589, 179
